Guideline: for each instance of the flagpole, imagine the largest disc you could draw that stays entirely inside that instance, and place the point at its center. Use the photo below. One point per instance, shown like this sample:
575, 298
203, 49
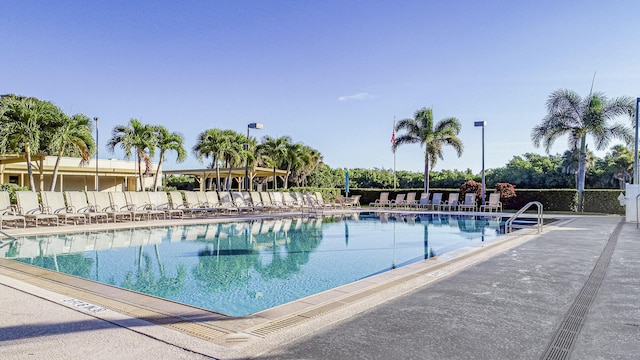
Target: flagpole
394, 154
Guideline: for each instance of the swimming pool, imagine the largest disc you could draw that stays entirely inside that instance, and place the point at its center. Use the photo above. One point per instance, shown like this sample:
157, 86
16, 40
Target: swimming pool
244, 267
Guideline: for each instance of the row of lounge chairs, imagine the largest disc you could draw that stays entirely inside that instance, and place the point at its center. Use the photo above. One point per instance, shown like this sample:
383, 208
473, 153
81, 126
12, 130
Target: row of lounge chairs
436, 203
79, 207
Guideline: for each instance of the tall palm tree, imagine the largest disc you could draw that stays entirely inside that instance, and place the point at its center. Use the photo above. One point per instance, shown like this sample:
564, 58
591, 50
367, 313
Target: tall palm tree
167, 141
211, 144
136, 137
422, 130
73, 137
234, 154
272, 152
21, 125
569, 114
295, 158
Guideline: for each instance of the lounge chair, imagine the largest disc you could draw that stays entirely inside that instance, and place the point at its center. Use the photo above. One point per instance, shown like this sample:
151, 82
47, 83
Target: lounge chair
160, 201
240, 204
278, 199
410, 200
30, 208
119, 202
451, 203
53, 203
140, 201
352, 201
326, 204
469, 202
382, 201
424, 201
493, 203
268, 202
77, 200
101, 202
226, 202
7, 213
256, 202
177, 202
398, 201
436, 201
195, 206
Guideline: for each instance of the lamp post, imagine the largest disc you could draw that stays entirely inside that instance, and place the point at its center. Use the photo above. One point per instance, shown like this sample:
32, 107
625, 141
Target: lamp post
97, 147
636, 173
482, 124
246, 164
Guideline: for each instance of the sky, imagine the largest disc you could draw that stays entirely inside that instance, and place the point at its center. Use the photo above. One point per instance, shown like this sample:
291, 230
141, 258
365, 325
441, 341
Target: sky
329, 74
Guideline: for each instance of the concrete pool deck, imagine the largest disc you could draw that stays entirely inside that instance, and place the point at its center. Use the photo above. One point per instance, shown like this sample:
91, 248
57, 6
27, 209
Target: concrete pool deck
508, 299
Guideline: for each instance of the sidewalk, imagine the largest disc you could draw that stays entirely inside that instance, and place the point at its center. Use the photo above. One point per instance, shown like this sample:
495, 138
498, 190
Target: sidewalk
507, 307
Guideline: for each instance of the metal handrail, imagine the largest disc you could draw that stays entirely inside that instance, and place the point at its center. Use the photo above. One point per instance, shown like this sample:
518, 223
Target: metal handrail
11, 239
508, 226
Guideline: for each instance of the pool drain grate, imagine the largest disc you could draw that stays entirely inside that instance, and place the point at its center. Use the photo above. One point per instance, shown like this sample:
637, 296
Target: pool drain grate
564, 338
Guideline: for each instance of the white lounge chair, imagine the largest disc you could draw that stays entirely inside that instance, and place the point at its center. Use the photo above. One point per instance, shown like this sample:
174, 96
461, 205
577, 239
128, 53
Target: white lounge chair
493, 203
160, 201
30, 208
469, 202
451, 203
7, 213
382, 201
53, 203
77, 200
101, 201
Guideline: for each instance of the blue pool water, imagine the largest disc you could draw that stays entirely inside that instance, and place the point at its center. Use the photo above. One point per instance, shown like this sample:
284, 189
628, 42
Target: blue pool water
245, 267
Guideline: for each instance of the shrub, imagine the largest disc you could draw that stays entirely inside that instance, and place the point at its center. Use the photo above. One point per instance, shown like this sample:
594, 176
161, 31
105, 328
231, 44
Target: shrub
471, 186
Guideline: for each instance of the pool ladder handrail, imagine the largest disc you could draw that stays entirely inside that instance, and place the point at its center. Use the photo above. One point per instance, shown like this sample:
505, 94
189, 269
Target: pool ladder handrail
11, 239
508, 225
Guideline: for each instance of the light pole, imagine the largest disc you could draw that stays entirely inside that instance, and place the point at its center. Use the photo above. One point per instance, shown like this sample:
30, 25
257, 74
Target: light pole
97, 147
246, 164
636, 173
482, 124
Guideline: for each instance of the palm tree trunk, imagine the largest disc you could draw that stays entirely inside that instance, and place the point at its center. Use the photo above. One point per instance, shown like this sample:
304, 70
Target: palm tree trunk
140, 170
286, 178
217, 175
275, 180
582, 165
29, 168
55, 171
426, 173
155, 179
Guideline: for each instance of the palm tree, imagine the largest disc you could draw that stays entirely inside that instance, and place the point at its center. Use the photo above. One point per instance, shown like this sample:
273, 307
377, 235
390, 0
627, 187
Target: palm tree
569, 114
570, 162
234, 154
21, 125
422, 130
134, 137
272, 152
211, 144
166, 141
72, 137
295, 158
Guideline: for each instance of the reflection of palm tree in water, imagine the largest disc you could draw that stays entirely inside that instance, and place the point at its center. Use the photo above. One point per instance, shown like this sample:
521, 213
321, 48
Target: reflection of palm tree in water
146, 281
226, 264
428, 252
299, 246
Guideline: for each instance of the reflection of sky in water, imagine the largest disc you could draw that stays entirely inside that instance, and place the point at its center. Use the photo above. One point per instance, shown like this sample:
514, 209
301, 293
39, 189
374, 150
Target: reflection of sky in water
242, 268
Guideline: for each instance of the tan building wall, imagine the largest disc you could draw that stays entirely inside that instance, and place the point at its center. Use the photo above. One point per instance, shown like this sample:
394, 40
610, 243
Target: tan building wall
113, 175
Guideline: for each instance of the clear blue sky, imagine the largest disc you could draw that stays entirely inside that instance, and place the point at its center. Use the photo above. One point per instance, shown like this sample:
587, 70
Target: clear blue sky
330, 74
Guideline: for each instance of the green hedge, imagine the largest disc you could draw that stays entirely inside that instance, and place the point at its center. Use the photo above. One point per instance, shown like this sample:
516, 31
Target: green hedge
595, 201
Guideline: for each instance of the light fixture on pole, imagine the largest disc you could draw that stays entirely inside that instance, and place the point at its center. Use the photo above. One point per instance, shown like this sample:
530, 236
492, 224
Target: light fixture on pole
482, 124
246, 164
97, 146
